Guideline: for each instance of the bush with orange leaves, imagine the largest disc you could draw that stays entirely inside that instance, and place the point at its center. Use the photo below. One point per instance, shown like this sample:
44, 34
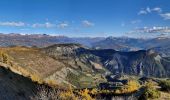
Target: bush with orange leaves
94, 91
68, 95
150, 91
130, 87
85, 94
4, 57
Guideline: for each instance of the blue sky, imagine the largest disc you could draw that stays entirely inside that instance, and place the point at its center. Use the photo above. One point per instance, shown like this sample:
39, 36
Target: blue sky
77, 18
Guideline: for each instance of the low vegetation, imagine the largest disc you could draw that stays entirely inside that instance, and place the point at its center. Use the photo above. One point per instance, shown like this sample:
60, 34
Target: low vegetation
150, 91
44, 93
85, 94
165, 85
130, 87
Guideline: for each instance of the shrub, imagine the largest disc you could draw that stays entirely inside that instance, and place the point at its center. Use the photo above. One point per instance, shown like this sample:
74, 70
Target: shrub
150, 91
130, 87
52, 83
85, 94
68, 95
36, 78
4, 58
124, 98
94, 91
46, 93
104, 91
165, 85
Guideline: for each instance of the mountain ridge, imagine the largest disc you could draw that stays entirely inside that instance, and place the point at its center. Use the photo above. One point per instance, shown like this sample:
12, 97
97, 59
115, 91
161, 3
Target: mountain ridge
72, 64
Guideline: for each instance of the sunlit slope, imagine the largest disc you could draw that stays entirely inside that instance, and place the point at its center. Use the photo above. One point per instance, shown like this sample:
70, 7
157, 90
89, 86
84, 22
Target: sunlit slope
31, 62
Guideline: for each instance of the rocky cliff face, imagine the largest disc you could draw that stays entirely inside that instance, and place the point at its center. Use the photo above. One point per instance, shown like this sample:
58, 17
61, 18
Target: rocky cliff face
82, 66
143, 62
137, 63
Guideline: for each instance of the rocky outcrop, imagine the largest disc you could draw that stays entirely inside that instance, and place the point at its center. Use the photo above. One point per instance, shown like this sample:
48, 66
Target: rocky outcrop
141, 63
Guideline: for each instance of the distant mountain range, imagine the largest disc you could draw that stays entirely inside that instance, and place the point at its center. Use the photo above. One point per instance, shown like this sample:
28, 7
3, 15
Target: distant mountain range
42, 40
117, 43
159, 44
126, 44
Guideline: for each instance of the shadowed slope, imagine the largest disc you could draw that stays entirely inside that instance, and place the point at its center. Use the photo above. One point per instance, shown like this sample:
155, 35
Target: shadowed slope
14, 86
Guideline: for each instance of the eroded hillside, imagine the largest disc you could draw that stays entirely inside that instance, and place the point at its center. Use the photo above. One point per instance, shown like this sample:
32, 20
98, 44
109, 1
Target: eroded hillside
74, 65
41, 68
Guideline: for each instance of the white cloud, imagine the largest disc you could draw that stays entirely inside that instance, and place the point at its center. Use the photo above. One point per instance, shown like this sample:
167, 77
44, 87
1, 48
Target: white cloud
166, 16
136, 21
62, 25
49, 25
149, 32
157, 9
87, 23
150, 10
35, 25
44, 25
15, 24
154, 29
142, 12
